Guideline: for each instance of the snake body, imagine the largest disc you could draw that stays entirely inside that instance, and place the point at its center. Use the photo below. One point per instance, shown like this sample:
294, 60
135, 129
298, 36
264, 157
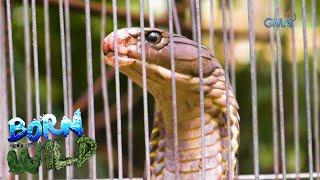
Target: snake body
188, 105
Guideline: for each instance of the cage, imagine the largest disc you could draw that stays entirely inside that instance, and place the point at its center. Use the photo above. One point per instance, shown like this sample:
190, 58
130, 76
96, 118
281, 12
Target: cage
52, 59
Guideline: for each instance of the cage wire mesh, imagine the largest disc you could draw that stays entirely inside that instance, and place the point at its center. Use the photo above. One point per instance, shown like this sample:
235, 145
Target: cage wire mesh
276, 90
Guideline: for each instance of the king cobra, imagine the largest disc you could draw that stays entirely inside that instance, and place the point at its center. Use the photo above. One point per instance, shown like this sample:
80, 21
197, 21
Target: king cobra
158, 66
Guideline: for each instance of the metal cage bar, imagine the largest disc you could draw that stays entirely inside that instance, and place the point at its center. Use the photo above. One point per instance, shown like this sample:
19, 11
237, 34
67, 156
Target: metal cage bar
69, 139
295, 97
173, 91
130, 103
176, 18
275, 142
226, 70
315, 87
193, 19
11, 64
64, 77
253, 75
105, 95
144, 89
280, 94
92, 162
48, 66
211, 28
232, 47
36, 66
150, 13
28, 75
119, 133
307, 89
3, 91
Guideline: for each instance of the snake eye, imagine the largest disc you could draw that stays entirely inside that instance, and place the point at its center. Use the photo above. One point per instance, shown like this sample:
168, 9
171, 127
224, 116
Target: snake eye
153, 37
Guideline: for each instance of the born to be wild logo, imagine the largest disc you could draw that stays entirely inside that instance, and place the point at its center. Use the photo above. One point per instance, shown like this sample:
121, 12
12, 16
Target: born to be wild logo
50, 151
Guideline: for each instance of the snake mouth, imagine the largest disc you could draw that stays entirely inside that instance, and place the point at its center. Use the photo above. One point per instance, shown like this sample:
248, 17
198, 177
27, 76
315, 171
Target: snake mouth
108, 48
123, 60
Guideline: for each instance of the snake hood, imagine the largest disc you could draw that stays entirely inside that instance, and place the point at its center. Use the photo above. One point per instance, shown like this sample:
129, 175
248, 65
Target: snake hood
158, 67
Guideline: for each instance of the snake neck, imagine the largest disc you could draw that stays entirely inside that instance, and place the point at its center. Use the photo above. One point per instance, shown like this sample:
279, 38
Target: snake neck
162, 144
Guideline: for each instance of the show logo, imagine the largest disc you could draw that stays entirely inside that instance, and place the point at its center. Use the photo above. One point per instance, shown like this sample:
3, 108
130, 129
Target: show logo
281, 22
51, 149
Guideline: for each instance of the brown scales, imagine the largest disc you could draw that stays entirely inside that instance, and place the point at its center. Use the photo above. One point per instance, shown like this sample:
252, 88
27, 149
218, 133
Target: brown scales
215, 109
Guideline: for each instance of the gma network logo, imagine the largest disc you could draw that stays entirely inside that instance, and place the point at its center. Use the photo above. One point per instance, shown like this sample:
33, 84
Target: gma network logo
281, 22
50, 150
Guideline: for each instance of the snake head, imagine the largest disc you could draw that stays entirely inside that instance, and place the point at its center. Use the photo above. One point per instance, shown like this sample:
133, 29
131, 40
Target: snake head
157, 50
129, 46
158, 61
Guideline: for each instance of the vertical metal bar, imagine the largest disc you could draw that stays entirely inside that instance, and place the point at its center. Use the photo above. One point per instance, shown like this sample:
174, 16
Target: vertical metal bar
307, 88
11, 62
2, 70
176, 18
253, 89
64, 74
198, 36
4, 115
117, 78
69, 139
48, 65
274, 99
69, 65
130, 105
211, 27
130, 128
226, 67
35, 56
69, 62
4, 101
152, 25
193, 19
105, 94
92, 162
144, 87
36, 68
315, 86
281, 110
128, 14
27, 50
48, 55
295, 96
232, 55
150, 12
174, 90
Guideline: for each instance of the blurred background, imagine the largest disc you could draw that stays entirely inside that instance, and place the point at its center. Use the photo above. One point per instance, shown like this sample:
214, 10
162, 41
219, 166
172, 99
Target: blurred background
241, 52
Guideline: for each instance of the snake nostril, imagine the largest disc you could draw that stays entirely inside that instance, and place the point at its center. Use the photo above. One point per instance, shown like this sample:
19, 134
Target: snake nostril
104, 48
106, 45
